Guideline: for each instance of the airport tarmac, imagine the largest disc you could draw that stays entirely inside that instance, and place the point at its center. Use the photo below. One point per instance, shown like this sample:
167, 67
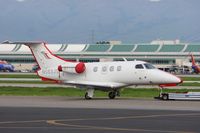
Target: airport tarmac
22, 114
97, 103
64, 86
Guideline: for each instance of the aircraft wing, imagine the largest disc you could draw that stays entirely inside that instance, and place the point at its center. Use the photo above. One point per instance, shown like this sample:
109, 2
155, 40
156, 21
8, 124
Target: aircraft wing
96, 85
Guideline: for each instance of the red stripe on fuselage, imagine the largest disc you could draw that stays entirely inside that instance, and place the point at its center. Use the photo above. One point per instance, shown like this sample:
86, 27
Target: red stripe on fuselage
48, 79
168, 85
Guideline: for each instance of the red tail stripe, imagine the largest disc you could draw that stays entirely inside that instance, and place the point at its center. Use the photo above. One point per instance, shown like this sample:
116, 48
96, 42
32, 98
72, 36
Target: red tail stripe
56, 55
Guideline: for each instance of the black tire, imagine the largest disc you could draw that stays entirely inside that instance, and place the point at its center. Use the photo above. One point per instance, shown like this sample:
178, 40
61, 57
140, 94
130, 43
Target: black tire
87, 97
112, 95
164, 97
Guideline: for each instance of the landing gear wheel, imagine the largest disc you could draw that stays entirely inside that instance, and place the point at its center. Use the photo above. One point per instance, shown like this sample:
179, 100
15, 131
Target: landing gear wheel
165, 97
87, 97
112, 95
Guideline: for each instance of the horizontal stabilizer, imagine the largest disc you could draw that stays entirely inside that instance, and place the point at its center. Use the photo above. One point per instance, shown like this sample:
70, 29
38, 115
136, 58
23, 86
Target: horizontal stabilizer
22, 42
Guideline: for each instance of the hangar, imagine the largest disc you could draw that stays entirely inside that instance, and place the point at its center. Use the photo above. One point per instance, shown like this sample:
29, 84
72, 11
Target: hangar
160, 53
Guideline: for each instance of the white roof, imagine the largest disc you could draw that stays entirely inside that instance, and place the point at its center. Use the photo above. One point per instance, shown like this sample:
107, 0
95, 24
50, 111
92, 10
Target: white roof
24, 48
75, 47
54, 47
7, 47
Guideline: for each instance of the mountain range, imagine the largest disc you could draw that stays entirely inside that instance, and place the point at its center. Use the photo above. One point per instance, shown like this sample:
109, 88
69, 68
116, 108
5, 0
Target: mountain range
87, 21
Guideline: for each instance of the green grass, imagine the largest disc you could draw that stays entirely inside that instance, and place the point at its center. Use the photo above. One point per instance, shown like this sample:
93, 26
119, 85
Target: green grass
147, 93
73, 92
190, 78
18, 76
190, 84
26, 82
50, 91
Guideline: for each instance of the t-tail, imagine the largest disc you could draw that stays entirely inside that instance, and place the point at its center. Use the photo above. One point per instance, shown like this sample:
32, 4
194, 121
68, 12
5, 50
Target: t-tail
195, 67
46, 59
193, 60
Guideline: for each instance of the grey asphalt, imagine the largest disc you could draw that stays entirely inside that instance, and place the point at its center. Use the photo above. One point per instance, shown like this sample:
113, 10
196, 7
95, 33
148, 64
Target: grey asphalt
84, 120
31, 114
64, 86
97, 103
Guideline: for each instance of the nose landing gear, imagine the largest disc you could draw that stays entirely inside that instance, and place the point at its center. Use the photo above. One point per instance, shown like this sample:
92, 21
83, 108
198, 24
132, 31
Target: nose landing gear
162, 96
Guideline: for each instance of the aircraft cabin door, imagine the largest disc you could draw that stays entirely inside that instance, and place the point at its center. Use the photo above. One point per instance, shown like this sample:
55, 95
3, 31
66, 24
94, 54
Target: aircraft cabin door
140, 73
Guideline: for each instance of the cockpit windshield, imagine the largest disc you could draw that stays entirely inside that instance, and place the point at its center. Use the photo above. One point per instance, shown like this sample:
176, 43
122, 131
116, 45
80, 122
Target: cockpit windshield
139, 66
149, 66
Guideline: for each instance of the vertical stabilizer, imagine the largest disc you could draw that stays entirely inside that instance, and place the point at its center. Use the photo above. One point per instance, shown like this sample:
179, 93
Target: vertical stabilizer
42, 54
47, 60
193, 60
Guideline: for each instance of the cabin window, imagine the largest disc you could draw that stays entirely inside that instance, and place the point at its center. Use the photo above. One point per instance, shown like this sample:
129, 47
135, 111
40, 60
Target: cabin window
139, 66
119, 68
104, 69
112, 68
95, 69
149, 66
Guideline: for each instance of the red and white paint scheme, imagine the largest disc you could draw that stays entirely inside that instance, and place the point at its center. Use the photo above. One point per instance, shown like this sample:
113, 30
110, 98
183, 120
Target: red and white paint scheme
105, 76
195, 67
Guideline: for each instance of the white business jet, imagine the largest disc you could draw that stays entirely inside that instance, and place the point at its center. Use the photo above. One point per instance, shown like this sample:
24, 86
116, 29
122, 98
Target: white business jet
105, 76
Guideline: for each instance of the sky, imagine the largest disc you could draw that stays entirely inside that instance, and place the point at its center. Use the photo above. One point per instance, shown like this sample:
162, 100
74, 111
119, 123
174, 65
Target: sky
87, 21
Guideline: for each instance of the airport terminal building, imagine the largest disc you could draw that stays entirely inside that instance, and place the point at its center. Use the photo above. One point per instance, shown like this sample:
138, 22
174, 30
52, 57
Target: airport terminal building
159, 52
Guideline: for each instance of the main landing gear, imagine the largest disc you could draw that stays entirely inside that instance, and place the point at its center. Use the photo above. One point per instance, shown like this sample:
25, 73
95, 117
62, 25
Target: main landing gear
87, 97
90, 92
113, 94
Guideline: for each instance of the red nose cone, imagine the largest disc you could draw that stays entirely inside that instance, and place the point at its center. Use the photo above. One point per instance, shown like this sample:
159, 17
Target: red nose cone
80, 67
59, 68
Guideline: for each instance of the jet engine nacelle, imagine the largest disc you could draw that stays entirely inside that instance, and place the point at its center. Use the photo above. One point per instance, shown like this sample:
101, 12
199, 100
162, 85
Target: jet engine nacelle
75, 68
